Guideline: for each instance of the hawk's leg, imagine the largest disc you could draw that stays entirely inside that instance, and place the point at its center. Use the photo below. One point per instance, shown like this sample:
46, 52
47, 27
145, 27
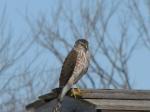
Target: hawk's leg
75, 92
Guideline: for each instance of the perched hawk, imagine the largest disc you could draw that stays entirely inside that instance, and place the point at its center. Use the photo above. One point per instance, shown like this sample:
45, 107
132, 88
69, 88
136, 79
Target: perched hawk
74, 67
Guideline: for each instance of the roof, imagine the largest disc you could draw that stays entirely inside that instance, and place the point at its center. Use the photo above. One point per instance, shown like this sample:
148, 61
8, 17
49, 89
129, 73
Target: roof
105, 98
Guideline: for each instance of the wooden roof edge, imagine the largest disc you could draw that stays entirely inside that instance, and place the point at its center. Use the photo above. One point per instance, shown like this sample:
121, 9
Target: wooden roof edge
116, 94
112, 94
107, 90
35, 104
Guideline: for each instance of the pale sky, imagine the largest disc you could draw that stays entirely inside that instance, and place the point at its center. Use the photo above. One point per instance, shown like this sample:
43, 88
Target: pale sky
15, 9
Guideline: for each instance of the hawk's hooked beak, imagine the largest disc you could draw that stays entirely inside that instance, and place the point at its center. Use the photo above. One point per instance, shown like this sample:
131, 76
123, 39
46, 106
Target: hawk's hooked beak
86, 47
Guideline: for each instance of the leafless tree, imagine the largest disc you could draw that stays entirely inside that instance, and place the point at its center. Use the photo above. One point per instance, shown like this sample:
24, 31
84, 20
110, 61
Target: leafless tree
109, 54
141, 20
105, 24
12, 77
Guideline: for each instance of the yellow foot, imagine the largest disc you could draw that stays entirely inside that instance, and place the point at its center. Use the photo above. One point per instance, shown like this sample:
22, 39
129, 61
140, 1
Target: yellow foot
75, 92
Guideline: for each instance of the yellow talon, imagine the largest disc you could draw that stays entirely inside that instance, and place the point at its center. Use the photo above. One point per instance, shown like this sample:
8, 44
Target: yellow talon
75, 92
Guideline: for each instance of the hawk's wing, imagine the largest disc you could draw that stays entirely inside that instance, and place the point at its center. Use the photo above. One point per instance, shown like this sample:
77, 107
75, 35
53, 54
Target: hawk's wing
68, 68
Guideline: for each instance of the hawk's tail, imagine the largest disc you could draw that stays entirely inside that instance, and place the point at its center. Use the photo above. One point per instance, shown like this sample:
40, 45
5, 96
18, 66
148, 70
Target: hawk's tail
58, 107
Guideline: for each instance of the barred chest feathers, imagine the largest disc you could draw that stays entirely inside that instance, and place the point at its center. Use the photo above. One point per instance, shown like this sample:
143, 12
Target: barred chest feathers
83, 60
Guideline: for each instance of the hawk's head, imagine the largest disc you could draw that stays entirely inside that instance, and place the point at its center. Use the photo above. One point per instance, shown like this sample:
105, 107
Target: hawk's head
82, 43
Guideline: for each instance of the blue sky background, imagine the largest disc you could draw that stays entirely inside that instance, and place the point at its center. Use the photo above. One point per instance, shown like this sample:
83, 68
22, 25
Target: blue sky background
139, 64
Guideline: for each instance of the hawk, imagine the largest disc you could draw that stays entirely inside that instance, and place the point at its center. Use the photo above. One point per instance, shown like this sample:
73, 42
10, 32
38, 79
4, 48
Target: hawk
74, 67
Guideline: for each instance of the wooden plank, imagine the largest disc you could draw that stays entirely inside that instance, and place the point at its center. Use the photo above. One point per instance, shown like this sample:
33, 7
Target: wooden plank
115, 90
113, 94
35, 104
120, 104
116, 94
48, 97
